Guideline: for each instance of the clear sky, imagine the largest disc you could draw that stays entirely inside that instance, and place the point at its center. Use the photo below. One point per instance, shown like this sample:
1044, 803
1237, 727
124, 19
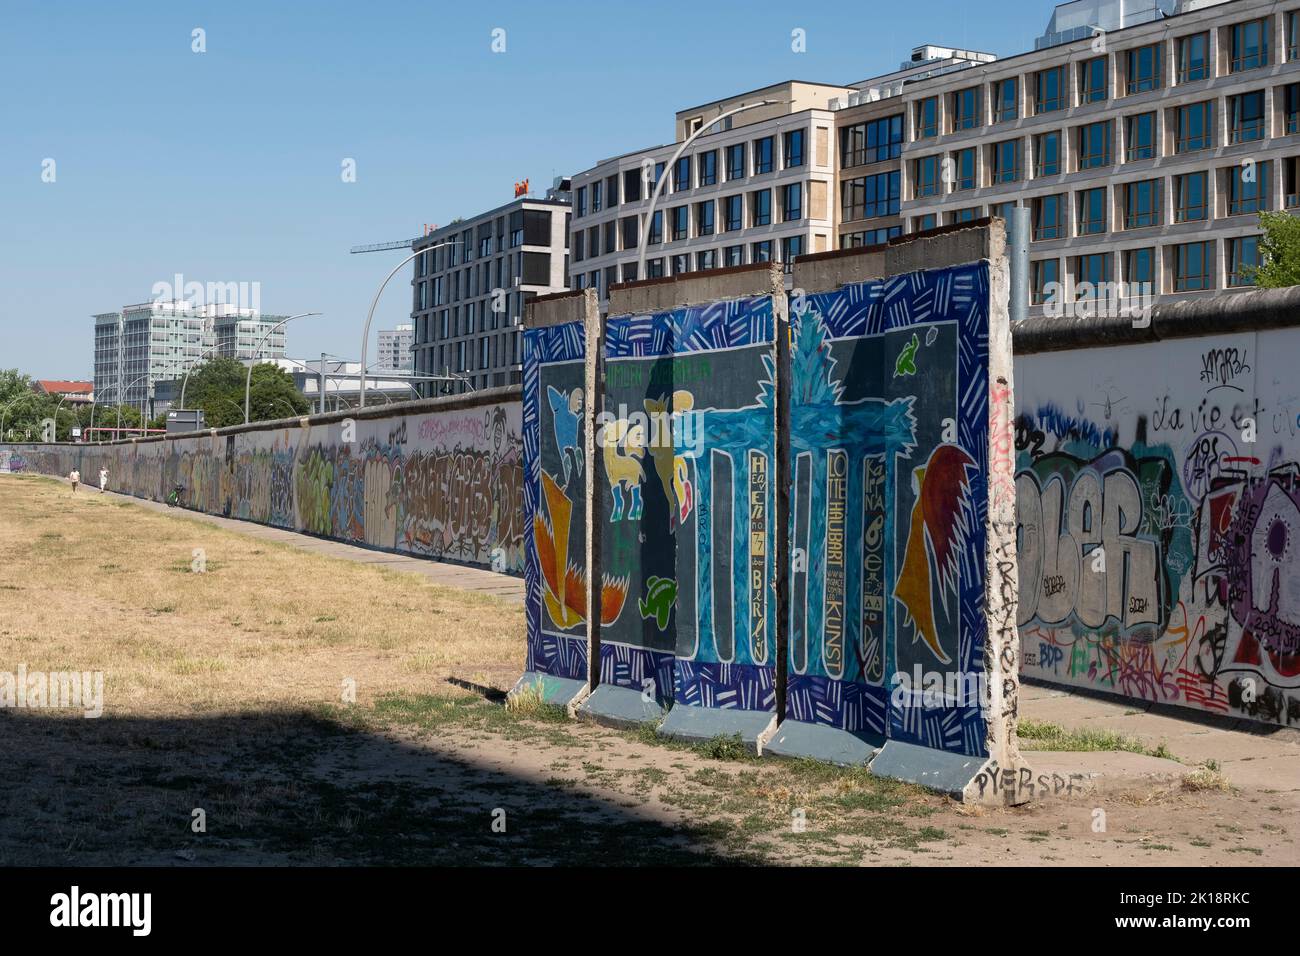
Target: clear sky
225, 166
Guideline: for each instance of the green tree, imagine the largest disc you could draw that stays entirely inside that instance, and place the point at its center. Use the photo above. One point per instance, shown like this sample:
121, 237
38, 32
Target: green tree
217, 387
1279, 252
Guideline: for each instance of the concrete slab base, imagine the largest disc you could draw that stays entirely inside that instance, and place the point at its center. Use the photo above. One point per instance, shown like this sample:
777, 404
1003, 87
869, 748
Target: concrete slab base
685, 722
794, 738
620, 707
555, 690
927, 767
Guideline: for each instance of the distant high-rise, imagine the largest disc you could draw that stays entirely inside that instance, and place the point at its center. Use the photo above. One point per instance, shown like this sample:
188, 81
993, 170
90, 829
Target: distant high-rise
161, 340
395, 348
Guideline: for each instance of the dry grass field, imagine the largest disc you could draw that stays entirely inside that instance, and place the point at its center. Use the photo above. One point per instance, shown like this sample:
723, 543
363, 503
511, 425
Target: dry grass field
225, 703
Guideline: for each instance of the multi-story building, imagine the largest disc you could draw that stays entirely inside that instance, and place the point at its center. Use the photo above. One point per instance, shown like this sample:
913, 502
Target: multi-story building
1144, 143
471, 284
757, 188
395, 348
160, 340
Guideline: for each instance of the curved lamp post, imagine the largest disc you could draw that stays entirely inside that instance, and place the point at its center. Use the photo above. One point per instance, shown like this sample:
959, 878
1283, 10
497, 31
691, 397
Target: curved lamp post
248, 382
365, 333
659, 186
5, 412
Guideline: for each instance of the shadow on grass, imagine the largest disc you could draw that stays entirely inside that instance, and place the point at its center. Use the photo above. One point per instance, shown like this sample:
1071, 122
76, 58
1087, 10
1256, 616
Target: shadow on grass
298, 787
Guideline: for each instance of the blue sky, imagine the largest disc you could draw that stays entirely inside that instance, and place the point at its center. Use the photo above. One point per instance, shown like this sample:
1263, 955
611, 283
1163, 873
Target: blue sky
225, 166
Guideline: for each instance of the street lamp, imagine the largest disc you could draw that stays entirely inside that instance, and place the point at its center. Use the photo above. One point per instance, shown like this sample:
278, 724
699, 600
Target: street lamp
5, 412
365, 334
248, 382
659, 186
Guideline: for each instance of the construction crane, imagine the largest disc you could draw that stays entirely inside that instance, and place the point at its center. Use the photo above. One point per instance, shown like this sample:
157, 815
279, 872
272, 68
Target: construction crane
396, 244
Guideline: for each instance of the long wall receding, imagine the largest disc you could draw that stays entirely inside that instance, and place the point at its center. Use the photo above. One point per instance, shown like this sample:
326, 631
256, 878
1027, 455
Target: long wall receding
438, 478
1158, 498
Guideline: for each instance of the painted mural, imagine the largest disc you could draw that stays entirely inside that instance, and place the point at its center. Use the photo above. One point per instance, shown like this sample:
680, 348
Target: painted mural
1158, 500
555, 595
889, 452
688, 449
444, 484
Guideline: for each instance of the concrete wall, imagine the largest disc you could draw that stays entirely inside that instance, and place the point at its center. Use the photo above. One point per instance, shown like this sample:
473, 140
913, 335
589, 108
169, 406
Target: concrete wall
803, 509
1158, 491
438, 478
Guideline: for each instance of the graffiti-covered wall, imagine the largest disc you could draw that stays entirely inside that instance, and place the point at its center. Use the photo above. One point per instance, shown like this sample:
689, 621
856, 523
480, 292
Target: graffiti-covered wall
1158, 496
424, 478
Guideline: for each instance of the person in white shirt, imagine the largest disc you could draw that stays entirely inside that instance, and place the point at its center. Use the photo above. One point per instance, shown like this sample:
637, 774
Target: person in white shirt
75, 478
103, 480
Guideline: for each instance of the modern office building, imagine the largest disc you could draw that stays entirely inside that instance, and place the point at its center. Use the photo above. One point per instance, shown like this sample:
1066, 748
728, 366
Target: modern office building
1144, 139
395, 348
160, 340
471, 284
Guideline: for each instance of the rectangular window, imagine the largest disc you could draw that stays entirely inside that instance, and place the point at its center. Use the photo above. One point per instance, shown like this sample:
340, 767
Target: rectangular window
1046, 279
761, 251
1243, 260
656, 228
1194, 57
1143, 68
708, 259
704, 218
611, 190
1248, 188
966, 109
1246, 117
760, 210
1007, 95
869, 196
1093, 82
763, 160
1047, 154
1291, 107
1291, 182
1092, 211
1292, 36
681, 221
681, 263
922, 223
1140, 137
1140, 267
1049, 90
1005, 165
792, 149
792, 202
733, 207
1193, 267
736, 162
580, 202
596, 194
873, 142
734, 255
1191, 197
969, 214
1090, 273
631, 185
611, 239
927, 117
1049, 217
682, 174
630, 228
1195, 127
925, 177
1142, 204
791, 247
964, 161
1094, 145
706, 168
654, 269
1249, 45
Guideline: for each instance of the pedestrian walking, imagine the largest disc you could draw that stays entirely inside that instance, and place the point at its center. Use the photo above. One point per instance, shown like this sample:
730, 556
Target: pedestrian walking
75, 478
103, 480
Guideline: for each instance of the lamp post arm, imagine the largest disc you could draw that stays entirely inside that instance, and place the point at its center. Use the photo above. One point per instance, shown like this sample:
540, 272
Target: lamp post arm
248, 381
659, 185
